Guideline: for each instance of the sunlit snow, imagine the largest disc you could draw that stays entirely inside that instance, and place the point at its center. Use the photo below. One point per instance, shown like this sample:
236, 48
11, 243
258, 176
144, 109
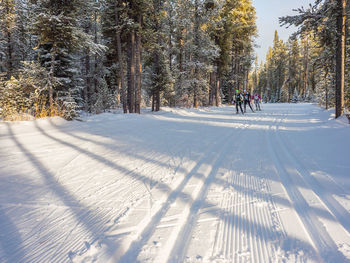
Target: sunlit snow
180, 185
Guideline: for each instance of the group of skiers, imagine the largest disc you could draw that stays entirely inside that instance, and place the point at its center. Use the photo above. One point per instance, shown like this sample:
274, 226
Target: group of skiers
245, 98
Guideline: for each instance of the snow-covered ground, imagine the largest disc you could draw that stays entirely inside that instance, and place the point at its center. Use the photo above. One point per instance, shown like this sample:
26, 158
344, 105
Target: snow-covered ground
177, 186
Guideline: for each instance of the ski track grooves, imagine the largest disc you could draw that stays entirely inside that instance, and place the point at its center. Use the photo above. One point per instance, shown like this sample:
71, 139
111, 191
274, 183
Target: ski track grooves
188, 215
238, 239
168, 193
248, 229
318, 235
183, 238
340, 213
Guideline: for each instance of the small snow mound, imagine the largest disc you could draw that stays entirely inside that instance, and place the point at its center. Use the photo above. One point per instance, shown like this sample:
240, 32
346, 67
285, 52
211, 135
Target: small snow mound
88, 254
345, 118
345, 249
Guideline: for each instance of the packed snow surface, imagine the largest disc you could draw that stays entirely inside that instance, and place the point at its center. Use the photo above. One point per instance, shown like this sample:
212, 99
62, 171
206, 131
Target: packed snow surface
179, 185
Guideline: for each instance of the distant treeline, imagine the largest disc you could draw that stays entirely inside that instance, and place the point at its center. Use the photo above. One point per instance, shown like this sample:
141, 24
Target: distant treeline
313, 65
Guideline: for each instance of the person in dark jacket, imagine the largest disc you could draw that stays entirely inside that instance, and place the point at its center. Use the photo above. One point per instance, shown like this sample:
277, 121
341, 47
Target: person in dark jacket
238, 100
247, 98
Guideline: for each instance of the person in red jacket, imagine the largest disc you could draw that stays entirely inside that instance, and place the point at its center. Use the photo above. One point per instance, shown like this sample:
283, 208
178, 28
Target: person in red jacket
257, 100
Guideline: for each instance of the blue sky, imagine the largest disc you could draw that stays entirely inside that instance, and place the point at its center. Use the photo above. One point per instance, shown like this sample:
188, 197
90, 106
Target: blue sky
268, 12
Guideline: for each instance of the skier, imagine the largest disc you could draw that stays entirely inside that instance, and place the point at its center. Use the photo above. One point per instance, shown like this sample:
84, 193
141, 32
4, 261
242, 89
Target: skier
247, 98
238, 101
257, 100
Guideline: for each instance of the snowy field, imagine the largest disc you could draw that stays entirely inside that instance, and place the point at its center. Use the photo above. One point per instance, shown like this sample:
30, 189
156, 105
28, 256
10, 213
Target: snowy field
177, 186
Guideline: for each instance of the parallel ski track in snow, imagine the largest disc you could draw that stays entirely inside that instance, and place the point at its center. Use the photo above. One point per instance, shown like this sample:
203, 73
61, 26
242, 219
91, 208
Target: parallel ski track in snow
288, 172
339, 212
132, 191
186, 218
180, 247
66, 243
133, 188
72, 206
250, 229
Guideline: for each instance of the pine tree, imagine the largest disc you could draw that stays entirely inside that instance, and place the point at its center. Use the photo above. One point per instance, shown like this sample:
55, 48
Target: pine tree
340, 58
293, 66
202, 52
295, 97
326, 20
27, 93
60, 40
9, 58
114, 24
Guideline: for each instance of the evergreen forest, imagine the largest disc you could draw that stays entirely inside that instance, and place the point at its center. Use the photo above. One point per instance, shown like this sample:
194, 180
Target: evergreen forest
62, 57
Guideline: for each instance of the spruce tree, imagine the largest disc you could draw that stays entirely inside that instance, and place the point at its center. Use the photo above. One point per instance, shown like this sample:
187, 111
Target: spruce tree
326, 19
60, 40
9, 42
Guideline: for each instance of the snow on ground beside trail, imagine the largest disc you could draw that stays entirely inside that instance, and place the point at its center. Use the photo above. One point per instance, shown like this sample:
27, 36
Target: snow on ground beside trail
180, 185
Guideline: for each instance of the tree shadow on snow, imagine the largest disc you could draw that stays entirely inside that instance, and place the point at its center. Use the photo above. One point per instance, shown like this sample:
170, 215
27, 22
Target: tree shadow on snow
92, 221
136, 247
11, 242
95, 223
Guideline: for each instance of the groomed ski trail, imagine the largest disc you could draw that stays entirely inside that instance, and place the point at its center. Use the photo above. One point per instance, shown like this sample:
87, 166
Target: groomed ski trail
189, 193
304, 192
178, 186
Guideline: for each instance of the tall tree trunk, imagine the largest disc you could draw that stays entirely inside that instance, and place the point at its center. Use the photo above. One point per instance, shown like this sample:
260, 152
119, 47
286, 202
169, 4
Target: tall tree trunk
87, 88
118, 91
180, 47
325, 81
157, 87
211, 88
195, 94
239, 78
157, 4
217, 93
51, 78
237, 71
306, 69
158, 100
131, 72
9, 62
153, 100
340, 59
121, 63
170, 39
232, 88
87, 80
326, 97
196, 56
9, 53
246, 79
138, 51
96, 57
